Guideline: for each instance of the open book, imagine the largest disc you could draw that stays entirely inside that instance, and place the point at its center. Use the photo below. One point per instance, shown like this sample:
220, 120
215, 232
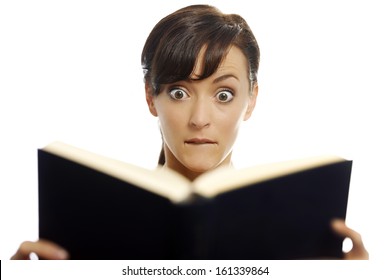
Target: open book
101, 208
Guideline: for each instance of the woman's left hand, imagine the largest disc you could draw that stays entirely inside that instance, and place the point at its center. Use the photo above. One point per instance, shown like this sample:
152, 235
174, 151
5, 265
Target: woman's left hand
358, 251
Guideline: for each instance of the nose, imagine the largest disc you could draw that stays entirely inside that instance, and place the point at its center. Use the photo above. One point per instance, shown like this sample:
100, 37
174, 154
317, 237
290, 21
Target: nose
200, 113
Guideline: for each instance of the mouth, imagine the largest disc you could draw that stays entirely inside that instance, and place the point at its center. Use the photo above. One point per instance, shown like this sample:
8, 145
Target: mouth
199, 141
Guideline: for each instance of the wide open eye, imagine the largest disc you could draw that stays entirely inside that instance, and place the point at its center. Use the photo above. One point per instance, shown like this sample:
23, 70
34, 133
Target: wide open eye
224, 96
178, 94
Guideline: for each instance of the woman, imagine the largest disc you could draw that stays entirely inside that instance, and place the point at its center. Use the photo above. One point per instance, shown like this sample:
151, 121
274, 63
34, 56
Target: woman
200, 71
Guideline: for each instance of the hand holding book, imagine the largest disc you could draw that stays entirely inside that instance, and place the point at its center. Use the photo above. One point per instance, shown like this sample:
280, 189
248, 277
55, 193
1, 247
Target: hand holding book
358, 251
43, 249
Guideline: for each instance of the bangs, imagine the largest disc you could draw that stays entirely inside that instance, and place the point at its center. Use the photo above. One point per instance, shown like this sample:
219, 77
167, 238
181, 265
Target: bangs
177, 58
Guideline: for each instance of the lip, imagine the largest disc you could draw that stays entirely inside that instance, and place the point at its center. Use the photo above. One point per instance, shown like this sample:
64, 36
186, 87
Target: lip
199, 141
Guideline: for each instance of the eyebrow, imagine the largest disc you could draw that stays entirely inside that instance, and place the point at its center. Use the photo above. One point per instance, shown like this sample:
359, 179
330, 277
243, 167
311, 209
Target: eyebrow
218, 79
225, 77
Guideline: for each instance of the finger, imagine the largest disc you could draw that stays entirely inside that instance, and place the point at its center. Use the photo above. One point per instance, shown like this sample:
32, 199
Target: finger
19, 255
340, 228
358, 250
43, 248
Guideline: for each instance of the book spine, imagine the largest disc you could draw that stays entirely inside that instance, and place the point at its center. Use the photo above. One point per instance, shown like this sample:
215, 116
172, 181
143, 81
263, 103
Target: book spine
194, 229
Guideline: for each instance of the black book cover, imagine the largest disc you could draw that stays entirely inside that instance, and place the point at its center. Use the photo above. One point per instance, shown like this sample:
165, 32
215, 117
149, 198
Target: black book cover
288, 218
96, 216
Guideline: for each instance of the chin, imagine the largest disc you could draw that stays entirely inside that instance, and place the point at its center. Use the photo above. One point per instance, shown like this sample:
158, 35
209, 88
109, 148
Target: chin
202, 166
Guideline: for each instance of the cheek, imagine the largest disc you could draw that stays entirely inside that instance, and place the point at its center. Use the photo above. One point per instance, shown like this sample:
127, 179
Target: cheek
171, 119
233, 117
229, 124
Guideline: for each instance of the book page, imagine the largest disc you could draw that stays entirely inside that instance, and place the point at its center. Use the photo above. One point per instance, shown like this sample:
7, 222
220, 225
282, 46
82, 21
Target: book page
225, 179
163, 182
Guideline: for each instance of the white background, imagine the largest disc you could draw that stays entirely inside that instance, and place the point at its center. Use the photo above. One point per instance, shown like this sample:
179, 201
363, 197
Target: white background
70, 71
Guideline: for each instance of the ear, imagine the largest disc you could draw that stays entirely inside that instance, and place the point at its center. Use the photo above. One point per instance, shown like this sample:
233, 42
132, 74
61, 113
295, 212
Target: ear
252, 102
150, 99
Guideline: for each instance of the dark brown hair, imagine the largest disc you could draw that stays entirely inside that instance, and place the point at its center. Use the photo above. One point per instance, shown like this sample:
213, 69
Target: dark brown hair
171, 50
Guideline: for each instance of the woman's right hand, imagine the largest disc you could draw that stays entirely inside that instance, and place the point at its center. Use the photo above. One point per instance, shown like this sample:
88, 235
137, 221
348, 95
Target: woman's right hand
44, 249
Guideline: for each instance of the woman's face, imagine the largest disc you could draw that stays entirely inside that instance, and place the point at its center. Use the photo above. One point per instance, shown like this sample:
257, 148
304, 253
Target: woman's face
200, 119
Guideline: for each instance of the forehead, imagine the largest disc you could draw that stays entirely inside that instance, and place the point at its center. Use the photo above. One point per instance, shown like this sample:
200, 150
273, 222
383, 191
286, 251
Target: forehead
234, 62
234, 59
